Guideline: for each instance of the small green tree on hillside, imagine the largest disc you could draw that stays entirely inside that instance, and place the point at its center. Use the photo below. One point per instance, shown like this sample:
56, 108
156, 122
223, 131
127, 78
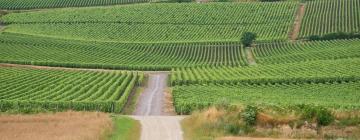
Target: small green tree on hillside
248, 38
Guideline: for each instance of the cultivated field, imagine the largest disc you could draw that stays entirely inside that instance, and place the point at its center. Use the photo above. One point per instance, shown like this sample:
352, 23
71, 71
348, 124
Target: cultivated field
255, 68
29, 89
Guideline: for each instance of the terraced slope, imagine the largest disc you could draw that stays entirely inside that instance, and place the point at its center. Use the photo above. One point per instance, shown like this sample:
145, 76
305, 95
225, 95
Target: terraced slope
157, 56
159, 22
39, 4
57, 90
284, 52
329, 16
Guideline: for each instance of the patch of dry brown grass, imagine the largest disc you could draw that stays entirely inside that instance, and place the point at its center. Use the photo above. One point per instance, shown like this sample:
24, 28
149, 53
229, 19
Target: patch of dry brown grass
58, 126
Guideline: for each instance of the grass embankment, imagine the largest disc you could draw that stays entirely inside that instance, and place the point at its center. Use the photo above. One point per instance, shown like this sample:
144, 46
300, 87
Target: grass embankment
243, 122
125, 128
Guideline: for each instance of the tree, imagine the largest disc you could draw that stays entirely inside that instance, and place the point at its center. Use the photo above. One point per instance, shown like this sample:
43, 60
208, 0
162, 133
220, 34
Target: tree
248, 38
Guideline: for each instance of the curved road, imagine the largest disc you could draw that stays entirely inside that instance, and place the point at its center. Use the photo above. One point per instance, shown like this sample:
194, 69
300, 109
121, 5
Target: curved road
150, 111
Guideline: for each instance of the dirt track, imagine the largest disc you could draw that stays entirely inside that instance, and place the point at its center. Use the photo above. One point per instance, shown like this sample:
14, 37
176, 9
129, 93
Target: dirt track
297, 23
249, 56
150, 111
152, 100
160, 127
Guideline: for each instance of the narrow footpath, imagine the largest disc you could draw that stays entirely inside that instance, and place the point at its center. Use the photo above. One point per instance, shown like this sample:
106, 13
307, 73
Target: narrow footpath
156, 123
297, 23
250, 56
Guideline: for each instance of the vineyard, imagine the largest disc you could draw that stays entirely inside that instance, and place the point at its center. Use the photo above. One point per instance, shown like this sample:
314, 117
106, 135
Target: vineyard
158, 22
337, 95
57, 90
199, 43
39, 4
312, 71
159, 56
285, 52
331, 16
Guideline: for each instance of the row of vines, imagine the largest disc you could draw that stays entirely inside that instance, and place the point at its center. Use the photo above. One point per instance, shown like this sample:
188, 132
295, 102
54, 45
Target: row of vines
330, 16
39, 4
286, 52
155, 56
56, 90
159, 22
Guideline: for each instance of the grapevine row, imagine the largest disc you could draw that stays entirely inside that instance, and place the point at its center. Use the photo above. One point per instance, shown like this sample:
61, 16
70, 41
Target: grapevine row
63, 89
312, 71
155, 56
330, 16
39, 4
339, 96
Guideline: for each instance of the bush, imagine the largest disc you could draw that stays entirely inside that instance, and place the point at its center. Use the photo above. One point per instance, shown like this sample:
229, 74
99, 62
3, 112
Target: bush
249, 115
232, 129
322, 116
248, 38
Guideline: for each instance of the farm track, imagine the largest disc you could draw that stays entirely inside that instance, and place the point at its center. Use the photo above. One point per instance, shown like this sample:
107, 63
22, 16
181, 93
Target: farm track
297, 23
250, 56
152, 100
160, 127
156, 124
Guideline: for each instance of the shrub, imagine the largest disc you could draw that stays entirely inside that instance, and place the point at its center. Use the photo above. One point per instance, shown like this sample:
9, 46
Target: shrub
248, 38
249, 115
322, 116
232, 129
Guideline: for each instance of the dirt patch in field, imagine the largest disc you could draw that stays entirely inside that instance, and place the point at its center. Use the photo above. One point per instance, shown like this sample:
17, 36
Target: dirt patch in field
297, 23
59, 126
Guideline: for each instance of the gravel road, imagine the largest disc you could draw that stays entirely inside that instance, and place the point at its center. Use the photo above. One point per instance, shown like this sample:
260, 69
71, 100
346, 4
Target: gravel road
151, 101
160, 127
150, 111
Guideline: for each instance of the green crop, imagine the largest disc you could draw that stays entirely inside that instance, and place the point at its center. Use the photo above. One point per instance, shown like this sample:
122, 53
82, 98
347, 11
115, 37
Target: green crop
58, 90
312, 71
159, 22
38, 4
341, 96
330, 16
77, 54
284, 52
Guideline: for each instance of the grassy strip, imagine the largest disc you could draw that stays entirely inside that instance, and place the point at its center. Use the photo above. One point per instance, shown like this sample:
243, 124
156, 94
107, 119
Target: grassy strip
132, 102
125, 128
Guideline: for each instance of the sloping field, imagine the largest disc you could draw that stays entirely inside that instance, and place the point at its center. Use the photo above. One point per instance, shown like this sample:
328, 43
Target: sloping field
38, 4
330, 16
284, 52
312, 71
156, 56
159, 22
56, 90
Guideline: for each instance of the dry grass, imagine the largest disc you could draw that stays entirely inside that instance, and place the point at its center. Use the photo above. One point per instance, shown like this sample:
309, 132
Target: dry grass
59, 126
249, 138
